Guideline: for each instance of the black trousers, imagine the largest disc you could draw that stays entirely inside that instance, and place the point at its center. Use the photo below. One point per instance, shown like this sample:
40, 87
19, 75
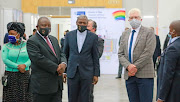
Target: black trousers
54, 97
79, 89
91, 93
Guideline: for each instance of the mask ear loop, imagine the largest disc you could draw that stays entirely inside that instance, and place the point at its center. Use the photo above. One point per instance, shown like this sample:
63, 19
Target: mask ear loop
20, 38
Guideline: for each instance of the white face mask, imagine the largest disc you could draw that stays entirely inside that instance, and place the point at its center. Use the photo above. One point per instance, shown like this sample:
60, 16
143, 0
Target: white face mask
135, 23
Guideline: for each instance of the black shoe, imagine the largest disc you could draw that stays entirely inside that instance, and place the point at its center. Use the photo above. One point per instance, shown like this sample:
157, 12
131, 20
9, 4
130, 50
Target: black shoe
118, 77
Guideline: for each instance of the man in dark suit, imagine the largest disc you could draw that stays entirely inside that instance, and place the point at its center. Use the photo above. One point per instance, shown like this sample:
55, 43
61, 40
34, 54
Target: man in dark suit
92, 26
34, 32
157, 52
169, 75
166, 42
48, 64
6, 40
83, 61
62, 39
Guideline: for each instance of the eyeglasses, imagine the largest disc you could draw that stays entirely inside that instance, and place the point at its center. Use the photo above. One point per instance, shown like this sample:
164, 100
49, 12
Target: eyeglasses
135, 17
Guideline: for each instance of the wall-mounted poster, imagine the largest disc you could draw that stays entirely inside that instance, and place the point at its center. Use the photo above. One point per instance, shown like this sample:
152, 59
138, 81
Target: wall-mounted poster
110, 25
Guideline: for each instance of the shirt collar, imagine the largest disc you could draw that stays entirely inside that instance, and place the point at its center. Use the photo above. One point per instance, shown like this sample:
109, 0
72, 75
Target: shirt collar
42, 36
137, 29
175, 38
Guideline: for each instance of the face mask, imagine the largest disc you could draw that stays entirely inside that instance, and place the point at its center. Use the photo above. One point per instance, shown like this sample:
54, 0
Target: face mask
82, 28
169, 35
12, 39
135, 23
45, 31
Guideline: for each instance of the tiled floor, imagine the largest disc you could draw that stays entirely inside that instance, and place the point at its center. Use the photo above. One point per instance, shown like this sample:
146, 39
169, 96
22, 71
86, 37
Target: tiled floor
108, 89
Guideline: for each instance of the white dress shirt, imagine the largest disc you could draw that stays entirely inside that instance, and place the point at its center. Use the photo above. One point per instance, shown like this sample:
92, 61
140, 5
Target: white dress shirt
134, 40
44, 38
80, 39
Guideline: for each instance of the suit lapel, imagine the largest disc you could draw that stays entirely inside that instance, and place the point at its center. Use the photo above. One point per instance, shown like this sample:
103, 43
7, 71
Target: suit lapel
75, 40
141, 30
85, 41
44, 43
55, 48
127, 39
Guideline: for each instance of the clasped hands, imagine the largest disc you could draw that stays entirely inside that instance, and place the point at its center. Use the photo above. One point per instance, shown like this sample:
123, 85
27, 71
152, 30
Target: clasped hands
132, 69
61, 68
21, 68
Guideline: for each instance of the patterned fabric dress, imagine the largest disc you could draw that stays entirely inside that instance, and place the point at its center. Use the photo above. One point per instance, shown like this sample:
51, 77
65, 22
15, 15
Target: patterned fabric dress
17, 90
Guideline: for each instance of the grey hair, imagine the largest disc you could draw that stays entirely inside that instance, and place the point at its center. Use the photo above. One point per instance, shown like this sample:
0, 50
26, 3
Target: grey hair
82, 17
94, 25
133, 11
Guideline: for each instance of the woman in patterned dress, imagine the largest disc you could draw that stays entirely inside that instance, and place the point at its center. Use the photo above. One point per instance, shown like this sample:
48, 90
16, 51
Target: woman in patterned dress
17, 62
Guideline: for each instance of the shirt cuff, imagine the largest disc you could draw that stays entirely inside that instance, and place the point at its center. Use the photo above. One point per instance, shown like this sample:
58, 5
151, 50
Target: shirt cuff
64, 63
160, 99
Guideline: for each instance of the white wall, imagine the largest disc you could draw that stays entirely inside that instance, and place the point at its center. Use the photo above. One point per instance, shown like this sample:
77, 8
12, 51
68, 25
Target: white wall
30, 21
64, 24
1, 41
16, 4
168, 11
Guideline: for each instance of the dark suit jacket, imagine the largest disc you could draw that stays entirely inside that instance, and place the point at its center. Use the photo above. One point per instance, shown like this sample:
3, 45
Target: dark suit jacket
44, 78
62, 43
100, 46
6, 40
157, 51
170, 73
166, 42
87, 60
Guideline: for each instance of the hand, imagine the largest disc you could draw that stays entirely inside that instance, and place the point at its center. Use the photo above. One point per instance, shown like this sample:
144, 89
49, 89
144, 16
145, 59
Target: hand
95, 80
159, 100
61, 69
132, 69
130, 74
21, 68
64, 78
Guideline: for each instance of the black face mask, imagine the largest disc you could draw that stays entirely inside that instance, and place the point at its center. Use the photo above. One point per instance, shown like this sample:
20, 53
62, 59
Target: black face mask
82, 28
45, 31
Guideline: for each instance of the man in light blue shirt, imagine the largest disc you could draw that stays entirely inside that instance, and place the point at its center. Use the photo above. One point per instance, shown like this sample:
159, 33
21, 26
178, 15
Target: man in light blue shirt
81, 49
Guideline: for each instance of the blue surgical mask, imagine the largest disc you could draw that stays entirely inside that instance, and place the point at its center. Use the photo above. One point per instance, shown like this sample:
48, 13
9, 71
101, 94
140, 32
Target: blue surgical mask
12, 39
169, 35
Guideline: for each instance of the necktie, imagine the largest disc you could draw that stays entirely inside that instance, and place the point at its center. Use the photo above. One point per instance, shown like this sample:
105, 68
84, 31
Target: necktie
50, 45
130, 46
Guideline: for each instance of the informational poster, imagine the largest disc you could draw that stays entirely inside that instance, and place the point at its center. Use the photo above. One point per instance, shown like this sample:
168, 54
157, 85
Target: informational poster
110, 25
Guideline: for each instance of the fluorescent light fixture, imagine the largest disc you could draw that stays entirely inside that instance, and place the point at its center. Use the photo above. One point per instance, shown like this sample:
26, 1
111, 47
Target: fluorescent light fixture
148, 16
71, 1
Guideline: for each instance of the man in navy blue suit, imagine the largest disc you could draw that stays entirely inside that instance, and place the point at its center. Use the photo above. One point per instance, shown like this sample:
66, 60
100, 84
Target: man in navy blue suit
169, 70
83, 61
157, 52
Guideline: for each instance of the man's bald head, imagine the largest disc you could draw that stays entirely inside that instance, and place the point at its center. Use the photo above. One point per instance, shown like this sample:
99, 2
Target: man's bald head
41, 19
175, 25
